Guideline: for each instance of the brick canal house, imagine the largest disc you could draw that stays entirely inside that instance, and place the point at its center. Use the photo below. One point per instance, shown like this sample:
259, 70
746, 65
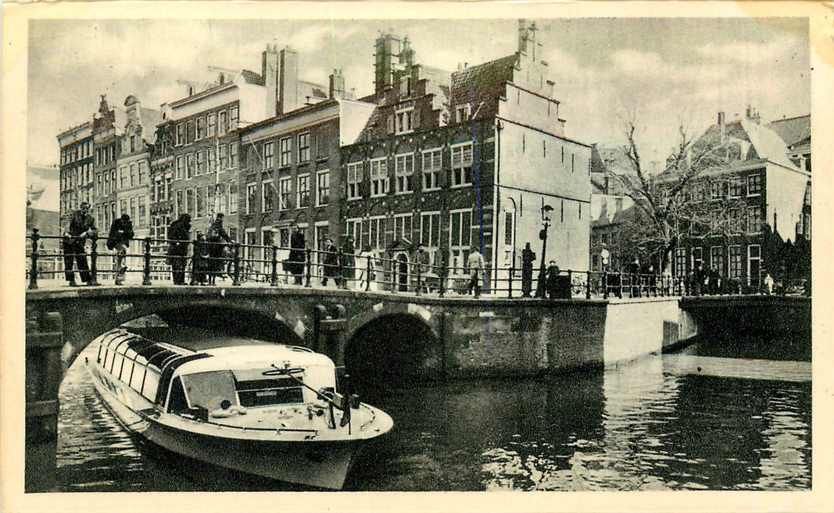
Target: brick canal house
763, 196
133, 173
462, 158
107, 126
288, 177
162, 178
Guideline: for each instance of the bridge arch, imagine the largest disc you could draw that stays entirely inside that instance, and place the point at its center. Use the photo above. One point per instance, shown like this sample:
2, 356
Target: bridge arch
393, 346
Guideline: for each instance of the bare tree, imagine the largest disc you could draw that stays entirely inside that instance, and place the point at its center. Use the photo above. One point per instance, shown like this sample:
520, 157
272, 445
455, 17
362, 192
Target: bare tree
690, 197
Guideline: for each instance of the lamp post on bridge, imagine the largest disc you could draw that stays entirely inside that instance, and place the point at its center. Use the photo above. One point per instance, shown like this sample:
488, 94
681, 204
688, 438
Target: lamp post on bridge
540, 285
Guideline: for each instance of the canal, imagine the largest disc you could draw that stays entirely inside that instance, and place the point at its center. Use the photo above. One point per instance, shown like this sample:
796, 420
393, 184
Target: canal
718, 415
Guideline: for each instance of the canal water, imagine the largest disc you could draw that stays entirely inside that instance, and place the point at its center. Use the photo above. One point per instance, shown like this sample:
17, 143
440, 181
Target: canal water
716, 416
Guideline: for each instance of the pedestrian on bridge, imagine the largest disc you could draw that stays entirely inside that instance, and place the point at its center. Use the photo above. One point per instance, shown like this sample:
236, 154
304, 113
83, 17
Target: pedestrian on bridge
118, 240
365, 263
475, 262
82, 226
330, 263
179, 233
295, 263
215, 238
527, 259
348, 263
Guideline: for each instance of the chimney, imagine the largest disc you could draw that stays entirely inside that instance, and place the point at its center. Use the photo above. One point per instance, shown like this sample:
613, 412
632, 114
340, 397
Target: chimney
752, 114
288, 93
722, 127
522, 35
269, 72
337, 84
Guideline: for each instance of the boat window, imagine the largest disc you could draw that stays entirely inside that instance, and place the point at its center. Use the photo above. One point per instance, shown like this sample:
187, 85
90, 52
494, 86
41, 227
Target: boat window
210, 389
177, 403
264, 392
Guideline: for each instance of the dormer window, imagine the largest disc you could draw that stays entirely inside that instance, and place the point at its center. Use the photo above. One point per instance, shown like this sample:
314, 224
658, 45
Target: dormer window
463, 113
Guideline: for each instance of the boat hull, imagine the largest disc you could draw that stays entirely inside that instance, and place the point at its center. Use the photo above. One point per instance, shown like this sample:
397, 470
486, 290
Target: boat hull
317, 463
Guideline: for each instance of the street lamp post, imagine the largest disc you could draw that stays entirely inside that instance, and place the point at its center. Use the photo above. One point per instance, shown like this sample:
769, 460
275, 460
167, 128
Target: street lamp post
540, 285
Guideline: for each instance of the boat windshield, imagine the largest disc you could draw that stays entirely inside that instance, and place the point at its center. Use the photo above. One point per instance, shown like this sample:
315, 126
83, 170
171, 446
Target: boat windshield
210, 389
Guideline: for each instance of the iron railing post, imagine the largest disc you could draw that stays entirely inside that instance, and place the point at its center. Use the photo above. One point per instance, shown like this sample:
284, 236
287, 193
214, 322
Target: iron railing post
195, 256
444, 271
570, 284
236, 265
368, 274
93, 258
274, 278
588, 285
340, 267
146, 268
33, 272
620, 295
308, 254
419, 278
604, 284
510, 281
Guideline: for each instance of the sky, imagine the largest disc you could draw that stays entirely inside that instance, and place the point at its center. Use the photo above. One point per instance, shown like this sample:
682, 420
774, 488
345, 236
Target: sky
661, 72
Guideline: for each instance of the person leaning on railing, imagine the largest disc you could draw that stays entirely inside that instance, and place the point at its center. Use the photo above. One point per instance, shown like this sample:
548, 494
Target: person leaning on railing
179, 233
82, 226
118, 240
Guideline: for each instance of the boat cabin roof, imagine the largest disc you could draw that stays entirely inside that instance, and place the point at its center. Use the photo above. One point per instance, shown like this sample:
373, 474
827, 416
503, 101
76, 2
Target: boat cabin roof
260, 356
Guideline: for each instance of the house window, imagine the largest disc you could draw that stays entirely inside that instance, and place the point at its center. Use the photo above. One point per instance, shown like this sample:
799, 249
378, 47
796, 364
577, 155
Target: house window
284, 192
210, 199
201, 127
736, 221
716, 191
461, 165
189, 203
201, 163
376, 232
322, 188
180, 134
754, 219
232, 154
212, 160
754, 185
354, 181
736, 188
432, 164
754, 264
269, 155
233, 198
201, 202
212, 124
716, 259
179, 206
222, 122
142, 167
462, 113
251, 192
303, 199
189, 132
286, 151
734, 254
122, 175
353, 228
267, 196
430, 229
402, 226
697, 257
304, 147
233, 117
223, 157
379, 177
403, 121
509, 225
680, 262
460, 239
404, 171
189, 165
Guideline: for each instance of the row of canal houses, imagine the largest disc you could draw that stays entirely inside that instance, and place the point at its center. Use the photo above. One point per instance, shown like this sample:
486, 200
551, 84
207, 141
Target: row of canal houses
447, 159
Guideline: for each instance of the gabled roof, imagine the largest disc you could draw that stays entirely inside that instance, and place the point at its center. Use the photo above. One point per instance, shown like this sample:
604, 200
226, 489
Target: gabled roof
250, 77
792, 130
767, 143
483, 83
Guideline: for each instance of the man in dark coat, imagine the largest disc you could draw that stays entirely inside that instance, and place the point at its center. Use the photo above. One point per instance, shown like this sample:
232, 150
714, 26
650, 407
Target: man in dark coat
552, 280
330, 263
179, 233
295, 262
215, 238
527, 259
118, 240
82, 226
634, 271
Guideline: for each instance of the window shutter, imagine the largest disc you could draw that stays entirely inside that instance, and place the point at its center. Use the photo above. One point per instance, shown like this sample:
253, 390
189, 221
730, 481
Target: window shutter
390, 124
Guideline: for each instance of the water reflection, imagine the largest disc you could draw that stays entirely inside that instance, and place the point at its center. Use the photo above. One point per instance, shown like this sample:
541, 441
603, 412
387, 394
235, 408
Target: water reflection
631, 428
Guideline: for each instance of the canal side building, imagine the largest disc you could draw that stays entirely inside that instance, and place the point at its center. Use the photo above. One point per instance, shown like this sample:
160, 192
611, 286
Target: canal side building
76, 171
466, 158
133, 173
290, 175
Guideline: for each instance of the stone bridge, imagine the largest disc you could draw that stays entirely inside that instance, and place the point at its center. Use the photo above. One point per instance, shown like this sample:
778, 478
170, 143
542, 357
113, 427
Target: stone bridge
371, 335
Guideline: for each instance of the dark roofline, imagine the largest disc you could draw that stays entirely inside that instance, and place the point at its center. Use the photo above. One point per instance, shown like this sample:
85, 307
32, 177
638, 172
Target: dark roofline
280, 117
543, 131
791, 119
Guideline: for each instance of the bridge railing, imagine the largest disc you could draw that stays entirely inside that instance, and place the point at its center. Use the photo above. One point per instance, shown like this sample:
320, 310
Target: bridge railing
202, 262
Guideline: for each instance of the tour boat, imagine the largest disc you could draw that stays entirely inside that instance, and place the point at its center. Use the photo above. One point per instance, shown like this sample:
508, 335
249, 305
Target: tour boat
259, 408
